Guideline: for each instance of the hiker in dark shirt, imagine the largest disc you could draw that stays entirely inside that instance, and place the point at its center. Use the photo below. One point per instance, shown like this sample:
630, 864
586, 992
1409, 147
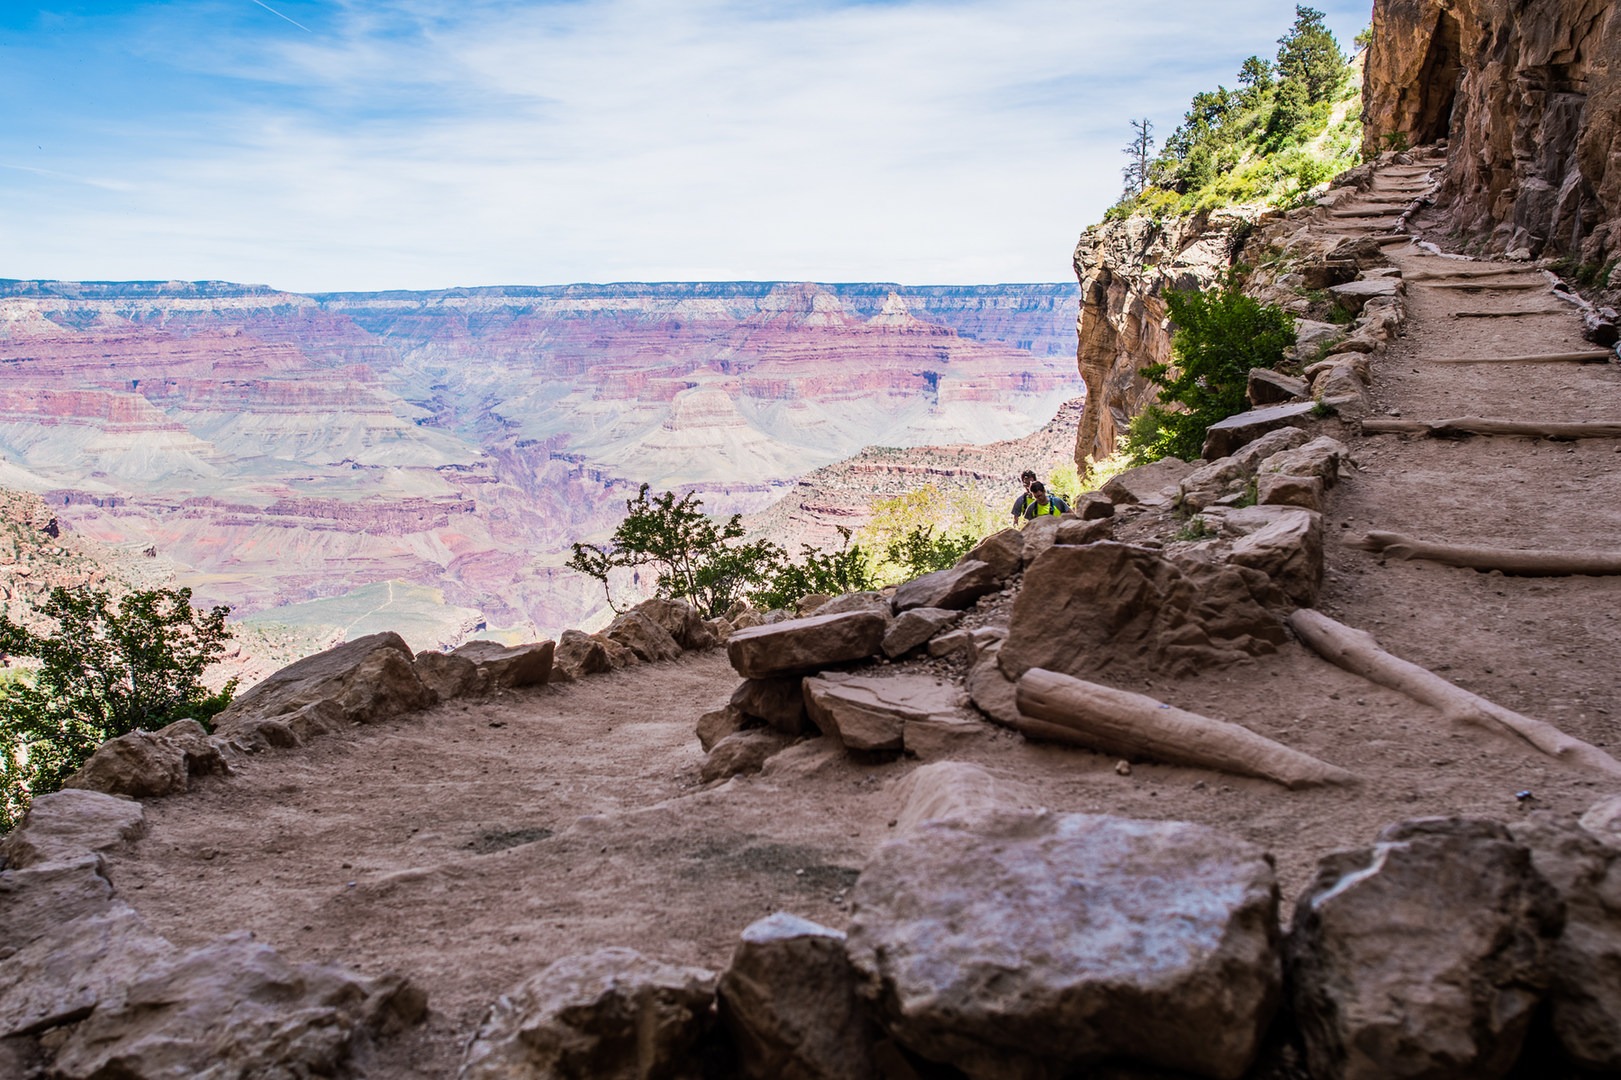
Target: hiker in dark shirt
1042, 504
1024, 498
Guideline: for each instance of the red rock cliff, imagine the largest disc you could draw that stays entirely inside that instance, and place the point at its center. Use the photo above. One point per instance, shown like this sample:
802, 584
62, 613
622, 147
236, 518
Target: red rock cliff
1528, 95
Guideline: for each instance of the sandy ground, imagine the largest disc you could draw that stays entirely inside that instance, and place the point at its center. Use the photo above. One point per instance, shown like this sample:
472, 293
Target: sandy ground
471, 845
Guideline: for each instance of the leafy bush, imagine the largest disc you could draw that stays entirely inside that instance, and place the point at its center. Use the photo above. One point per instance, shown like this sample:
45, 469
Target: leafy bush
707, 564
105, 670
1219, 334
830, 573
922, 531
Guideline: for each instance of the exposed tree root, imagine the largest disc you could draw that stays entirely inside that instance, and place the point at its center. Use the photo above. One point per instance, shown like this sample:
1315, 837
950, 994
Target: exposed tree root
1508, 561
1507, 314
1479, 425
1495, 286
1358, 652
1460, 274
1119, 722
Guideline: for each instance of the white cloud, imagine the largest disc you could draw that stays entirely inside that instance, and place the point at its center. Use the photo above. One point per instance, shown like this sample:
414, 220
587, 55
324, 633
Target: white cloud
417, 144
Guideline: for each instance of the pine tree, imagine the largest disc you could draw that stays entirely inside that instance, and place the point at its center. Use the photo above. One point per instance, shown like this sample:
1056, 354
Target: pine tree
1140, 155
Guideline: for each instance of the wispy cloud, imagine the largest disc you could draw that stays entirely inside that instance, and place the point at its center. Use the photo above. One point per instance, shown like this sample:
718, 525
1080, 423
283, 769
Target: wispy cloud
418, 143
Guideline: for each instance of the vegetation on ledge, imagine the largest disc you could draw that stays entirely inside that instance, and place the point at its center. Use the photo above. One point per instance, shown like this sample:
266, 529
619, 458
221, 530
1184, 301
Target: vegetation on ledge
1289, 127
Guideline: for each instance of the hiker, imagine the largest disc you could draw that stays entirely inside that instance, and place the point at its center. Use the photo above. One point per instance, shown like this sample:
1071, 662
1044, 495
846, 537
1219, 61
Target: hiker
1043, 504
1024, 498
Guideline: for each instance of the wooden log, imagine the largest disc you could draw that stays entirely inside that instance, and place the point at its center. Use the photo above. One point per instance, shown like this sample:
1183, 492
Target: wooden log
1495, 286
1459, 273
1387, 212
1357, 651
1506, 560
1479, 425
1119, 722
1507, 314
1586, 356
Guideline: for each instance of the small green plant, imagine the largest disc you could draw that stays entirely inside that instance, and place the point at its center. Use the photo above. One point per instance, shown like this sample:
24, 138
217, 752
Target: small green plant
1396, 141
1196, 529
1322, 410
1220, 334
106, 669
1252, 493
919, 551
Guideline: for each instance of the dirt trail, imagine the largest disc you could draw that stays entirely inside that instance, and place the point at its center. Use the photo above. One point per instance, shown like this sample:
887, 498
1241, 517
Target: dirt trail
471, 845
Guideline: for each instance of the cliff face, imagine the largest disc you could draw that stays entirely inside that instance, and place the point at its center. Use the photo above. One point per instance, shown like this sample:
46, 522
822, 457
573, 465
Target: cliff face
1528, 95
1124, 267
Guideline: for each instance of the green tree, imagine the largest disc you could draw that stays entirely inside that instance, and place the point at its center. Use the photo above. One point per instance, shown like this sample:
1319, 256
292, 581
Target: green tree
106, 669
696, 558
1310, 56
1219, 335
830, 573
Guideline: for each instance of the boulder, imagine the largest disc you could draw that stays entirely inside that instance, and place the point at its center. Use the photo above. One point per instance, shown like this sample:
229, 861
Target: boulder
643, 636
150, 764
777, 702
447, 675
1084, 608
1268, 387
1002, 552
867, 713
578, 654
715, 725
1204, 485
991, 691
1585, 995
236, 1008
1150, 485
609, 1015
370, 679
870, 600
790, 1004
808, 605
1077, 531
950, 644
950, 789
1322, 458
800, 646
510, 666
1289, 551
684, 623
1251, 454
77, 959
1312, 336
1354, 295
1282, 489
1039, 535
915, 627
960, 933
1424, 955
70, 824
1225, 436
956, 587
742, 753
1093, 506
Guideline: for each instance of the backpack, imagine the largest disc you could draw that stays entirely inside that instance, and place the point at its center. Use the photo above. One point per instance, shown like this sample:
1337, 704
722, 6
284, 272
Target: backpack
1055, 503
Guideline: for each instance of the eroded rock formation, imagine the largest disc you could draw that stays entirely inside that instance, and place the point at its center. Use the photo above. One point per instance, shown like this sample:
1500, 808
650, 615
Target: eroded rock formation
1528, 97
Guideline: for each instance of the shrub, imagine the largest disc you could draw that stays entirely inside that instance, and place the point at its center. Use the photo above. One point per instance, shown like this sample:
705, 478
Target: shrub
1219, 335
105, 670
923, 531
831, 573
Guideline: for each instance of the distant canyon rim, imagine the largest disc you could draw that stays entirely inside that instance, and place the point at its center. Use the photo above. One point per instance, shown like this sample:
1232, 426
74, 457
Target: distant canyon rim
421, 461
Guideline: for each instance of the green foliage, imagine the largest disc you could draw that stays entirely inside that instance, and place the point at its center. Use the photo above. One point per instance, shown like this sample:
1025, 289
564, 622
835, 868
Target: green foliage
695, 558
105, 670
830, 573
1309, 56
1286, 130
919, 551
1195, 529
1219, 335
1586, 275
922, 531
708, 564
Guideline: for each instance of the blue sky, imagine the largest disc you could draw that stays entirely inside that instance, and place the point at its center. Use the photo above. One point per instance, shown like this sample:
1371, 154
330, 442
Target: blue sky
371, 144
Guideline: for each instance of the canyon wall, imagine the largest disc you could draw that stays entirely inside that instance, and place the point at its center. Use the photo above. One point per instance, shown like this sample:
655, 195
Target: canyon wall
1527, 94
1124, 267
